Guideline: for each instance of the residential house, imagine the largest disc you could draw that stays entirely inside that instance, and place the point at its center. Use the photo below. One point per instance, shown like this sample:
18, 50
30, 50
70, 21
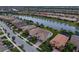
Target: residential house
19, 23
41, 34
59, 41
75, 40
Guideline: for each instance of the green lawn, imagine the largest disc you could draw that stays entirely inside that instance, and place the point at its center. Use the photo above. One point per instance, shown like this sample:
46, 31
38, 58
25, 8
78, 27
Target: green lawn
17, 30
14, 27
33, 40
14, 50
46, 47
4, 37
69, 47
1, 33
24, 34
6, 42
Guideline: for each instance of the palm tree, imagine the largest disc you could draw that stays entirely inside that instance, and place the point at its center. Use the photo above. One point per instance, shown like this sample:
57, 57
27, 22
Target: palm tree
22, 46
13, 37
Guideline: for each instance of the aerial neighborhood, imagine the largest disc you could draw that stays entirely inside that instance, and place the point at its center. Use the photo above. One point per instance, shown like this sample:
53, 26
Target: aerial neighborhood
40, 31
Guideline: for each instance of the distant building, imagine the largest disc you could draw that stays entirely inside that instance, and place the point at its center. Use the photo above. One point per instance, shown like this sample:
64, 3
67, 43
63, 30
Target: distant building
19, 23
59, 41
75, 40
16, 21
59, 16
8, 18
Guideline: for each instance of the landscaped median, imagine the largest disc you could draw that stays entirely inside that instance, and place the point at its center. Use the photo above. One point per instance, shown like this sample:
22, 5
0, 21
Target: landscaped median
7, 42
10, 44
14, 49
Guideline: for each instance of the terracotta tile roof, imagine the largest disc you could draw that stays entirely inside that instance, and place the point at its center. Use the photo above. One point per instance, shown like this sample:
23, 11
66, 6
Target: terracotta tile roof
59, 41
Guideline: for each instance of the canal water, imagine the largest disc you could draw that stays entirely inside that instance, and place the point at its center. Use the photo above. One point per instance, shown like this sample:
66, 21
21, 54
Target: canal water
51, 23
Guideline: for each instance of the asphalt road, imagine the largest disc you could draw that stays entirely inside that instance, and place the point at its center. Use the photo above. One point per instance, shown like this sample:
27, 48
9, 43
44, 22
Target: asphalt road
18, 40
